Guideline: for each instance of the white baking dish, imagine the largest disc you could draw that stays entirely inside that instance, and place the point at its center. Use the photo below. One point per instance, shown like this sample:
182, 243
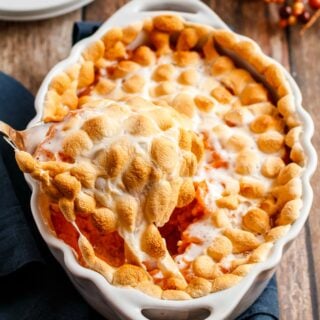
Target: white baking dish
113, 302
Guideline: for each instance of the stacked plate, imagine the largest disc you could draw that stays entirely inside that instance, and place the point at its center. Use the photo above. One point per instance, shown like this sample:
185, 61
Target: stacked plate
26, 10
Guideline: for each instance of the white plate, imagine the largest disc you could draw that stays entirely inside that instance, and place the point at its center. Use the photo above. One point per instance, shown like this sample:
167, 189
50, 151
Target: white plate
31, 5
23, 10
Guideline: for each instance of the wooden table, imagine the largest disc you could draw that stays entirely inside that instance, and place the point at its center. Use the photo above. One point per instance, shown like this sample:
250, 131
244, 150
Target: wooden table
29, 50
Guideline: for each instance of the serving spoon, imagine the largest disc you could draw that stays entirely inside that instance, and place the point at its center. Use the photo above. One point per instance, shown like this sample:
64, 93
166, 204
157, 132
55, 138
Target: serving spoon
19, 139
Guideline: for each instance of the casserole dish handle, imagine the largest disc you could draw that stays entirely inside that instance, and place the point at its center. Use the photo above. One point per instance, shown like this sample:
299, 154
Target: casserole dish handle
222, 306
191, 10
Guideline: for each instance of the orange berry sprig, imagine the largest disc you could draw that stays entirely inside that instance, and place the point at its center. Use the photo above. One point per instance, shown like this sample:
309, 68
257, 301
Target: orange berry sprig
297, 11
291, 14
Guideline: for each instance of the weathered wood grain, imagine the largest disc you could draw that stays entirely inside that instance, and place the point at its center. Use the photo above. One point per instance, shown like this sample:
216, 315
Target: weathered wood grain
293, 282
100, 10
304, 56
30, 49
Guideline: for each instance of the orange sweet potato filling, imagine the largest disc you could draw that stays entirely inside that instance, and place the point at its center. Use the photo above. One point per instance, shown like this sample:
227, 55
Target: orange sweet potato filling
64, 229
174, 231
108, 247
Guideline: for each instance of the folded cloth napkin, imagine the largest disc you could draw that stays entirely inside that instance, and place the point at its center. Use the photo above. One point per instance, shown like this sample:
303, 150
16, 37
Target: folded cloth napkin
33, 285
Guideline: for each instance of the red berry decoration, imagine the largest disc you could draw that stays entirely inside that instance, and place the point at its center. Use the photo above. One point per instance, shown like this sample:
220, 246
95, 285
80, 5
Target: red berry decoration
293, 11
314, 4
285, 12
283, 23
305, 17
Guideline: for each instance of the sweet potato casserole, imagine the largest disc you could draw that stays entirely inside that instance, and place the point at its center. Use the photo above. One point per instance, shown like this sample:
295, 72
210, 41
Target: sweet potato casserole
167, 166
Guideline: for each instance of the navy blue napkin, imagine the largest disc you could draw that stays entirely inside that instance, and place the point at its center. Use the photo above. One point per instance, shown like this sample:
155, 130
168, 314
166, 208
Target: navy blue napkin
33, 286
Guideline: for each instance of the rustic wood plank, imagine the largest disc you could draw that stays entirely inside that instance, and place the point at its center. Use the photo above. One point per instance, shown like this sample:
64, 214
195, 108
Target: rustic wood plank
305, 52
293, 282
30, 49
100, 10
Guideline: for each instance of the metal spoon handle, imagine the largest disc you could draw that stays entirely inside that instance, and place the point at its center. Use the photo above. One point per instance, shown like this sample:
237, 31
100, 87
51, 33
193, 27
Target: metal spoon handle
12, 136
